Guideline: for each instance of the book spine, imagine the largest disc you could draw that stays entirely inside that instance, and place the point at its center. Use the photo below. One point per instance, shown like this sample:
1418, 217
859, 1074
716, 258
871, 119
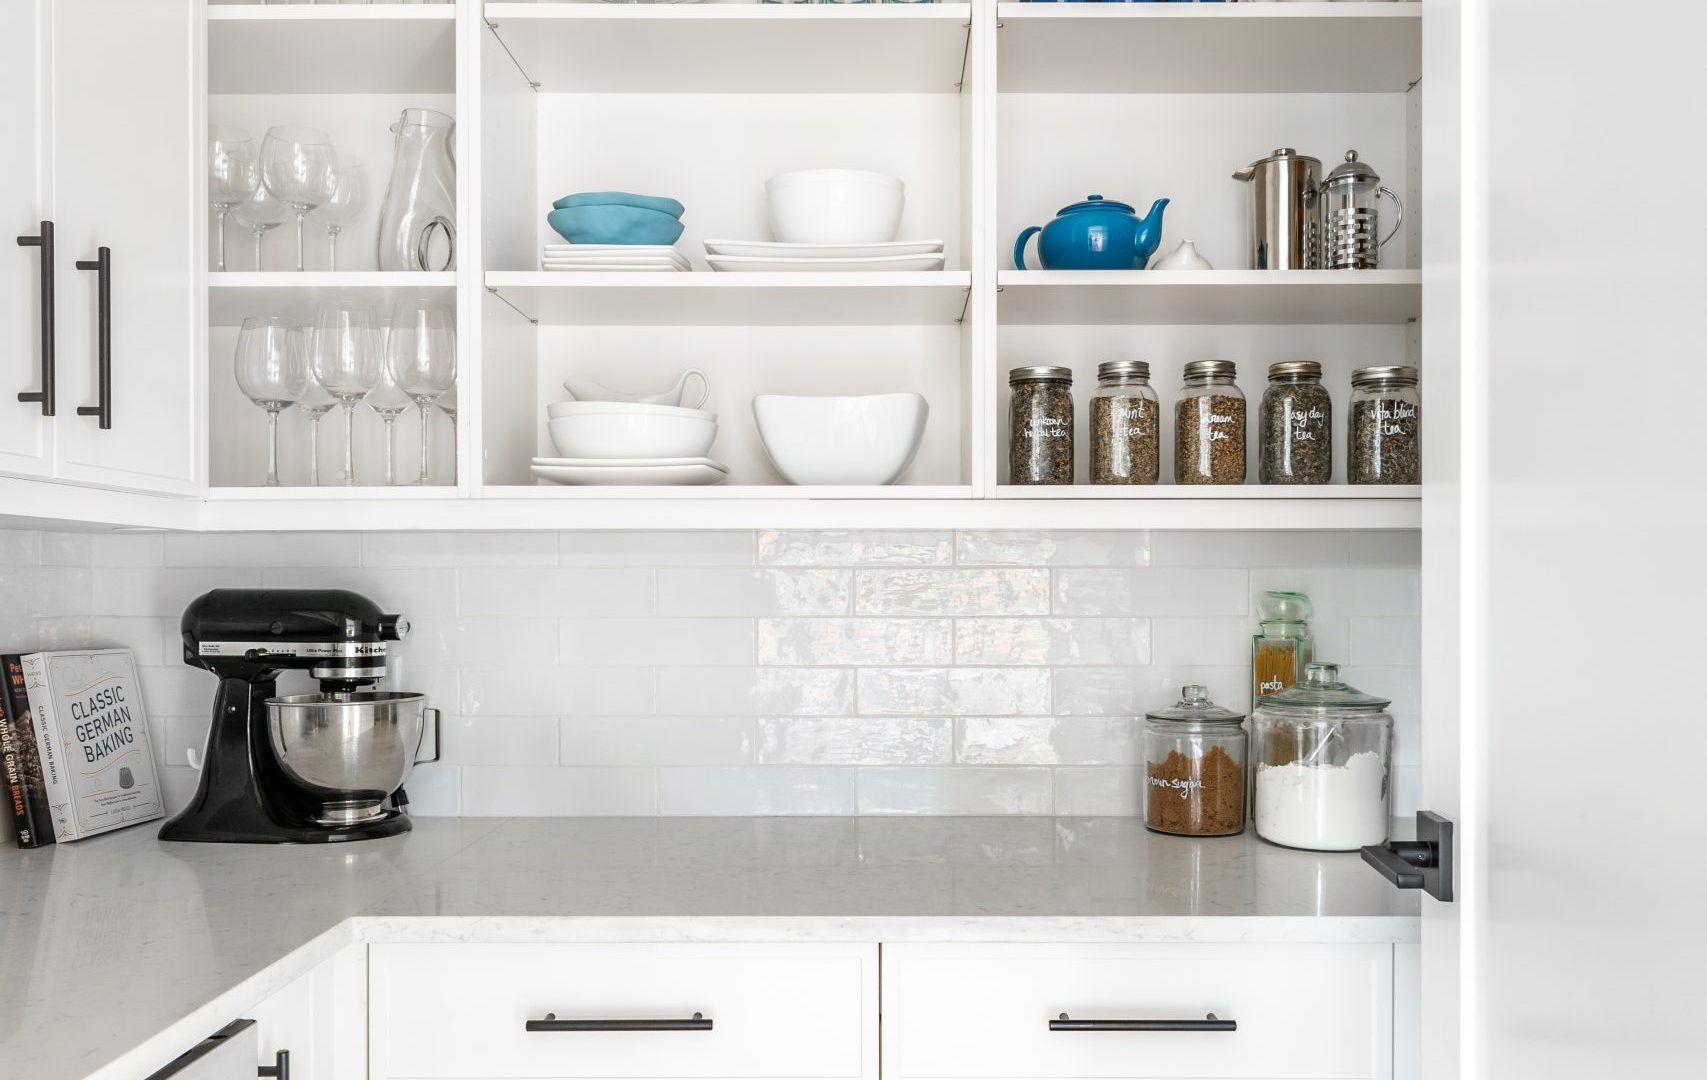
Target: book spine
60, 799
19, 759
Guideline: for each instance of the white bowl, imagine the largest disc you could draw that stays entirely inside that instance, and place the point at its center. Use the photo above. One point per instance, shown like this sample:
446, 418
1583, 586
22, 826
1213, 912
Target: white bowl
834, 206
657, 432
841, 440
622, 408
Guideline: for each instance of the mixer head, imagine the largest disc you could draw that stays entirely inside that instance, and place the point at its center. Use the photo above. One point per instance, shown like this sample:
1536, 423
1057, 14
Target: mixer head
338, 636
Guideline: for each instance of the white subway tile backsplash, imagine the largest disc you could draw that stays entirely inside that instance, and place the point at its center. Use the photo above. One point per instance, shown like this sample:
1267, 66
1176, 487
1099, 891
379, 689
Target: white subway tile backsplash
20, 547
65, 548
1241, 548
688, 691
1222, 642
753, 592
558, 593
655, 740
653, 641
865, 740
656, 549
841, 548
956, 791
555, 691
415, 594
855, 641
1137, 690
316, 550
1392, 642
499, 740
1051, 641
156, 640
435, 791
399, 550
1397, 547
774, 790
450, 642
1353, 591
507, 791
1056, 548
1048, 740
954, 691
127, 549
1152, 591
951, 592
1091, 792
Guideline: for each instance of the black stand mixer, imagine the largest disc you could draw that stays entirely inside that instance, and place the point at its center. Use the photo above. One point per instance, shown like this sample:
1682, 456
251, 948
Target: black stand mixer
313, 768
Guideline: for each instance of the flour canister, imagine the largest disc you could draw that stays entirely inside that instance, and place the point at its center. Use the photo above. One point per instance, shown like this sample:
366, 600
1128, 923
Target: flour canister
1285, 216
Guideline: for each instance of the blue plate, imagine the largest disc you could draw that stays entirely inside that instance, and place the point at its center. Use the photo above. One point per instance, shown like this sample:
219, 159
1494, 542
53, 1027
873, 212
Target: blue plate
610, 224
621, 198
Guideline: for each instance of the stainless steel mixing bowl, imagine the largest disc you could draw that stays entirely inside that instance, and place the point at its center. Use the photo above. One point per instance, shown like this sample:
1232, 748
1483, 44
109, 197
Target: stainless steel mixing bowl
349, 751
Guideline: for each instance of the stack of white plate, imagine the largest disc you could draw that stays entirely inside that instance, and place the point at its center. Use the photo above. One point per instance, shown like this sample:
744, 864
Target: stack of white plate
770, 257
606, 258
620, 442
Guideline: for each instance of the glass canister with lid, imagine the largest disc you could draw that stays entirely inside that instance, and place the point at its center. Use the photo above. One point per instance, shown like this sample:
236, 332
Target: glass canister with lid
1209, 426
1126, 425
1385, 428
1295, 434
1282, 644
1194, 767
1323, 758
1040, 425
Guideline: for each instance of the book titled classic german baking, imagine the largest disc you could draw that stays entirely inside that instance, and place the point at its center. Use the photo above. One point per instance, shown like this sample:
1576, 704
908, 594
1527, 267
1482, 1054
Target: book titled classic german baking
92, 733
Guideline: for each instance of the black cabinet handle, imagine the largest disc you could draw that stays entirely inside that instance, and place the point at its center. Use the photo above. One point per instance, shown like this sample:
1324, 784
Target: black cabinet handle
102, 264
698, 1022
1424, 863
280, 1069
1209, 1023
43, 242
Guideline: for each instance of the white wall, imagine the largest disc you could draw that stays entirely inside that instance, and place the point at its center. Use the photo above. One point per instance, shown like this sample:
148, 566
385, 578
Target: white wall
768, 673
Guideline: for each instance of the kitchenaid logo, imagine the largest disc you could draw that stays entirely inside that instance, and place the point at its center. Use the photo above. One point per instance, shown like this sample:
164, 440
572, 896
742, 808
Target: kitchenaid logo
286, 648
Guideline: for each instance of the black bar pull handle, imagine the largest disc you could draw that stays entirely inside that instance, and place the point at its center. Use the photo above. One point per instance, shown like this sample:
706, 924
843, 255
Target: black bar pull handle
43, 242
102, 264
698, 1022
1211, 1022
280, 1069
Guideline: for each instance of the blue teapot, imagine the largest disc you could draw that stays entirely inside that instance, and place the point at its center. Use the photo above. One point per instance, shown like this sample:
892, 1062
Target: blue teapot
1097, 234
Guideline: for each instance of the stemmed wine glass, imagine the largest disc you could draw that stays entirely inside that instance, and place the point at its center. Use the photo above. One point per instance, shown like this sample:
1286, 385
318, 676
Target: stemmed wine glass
346, 359
299, 167
314, 403
260, 213
341, 209
421, 355
447, 405
389, 402
232, 177
273, 373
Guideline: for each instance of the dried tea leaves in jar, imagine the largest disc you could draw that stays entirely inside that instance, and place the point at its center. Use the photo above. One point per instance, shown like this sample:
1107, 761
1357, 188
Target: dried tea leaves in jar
1385, 427
1295, 426
1125, 425
1040, 426
1209, 426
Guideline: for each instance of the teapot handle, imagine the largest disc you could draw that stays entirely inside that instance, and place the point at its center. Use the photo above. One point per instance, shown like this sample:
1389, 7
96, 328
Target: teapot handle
1019, 245
1400, 220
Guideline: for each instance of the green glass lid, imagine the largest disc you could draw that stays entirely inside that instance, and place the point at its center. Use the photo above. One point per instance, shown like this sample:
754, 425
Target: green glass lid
1280, 606
1195, 707
1321, 688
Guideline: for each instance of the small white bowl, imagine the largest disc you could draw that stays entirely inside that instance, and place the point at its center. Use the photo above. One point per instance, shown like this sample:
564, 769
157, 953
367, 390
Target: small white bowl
658, 431
623, 408
834, 206
841, 440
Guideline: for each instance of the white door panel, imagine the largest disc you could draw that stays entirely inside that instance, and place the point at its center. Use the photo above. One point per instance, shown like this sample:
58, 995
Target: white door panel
24, 433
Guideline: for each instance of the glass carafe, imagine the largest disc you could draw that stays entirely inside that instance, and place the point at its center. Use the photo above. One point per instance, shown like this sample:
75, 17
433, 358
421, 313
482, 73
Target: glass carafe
417, 221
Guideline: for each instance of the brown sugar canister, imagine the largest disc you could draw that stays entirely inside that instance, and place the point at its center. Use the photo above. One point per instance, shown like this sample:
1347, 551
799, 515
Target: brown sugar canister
1194, 768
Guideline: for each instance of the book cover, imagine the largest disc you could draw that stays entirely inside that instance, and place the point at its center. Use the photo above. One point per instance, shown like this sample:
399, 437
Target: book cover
92, 731
20, 759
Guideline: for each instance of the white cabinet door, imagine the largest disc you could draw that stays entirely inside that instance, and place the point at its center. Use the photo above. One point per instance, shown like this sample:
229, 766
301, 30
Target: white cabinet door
24, 431
290, 1021
228, 1054
126, 141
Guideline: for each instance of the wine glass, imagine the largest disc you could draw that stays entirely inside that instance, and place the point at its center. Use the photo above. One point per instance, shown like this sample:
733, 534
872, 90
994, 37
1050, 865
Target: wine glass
346, 202
347, 359
232, 177
299, 167
273, 373
390, 402
314, 403
260, 213
421, 356
447, 405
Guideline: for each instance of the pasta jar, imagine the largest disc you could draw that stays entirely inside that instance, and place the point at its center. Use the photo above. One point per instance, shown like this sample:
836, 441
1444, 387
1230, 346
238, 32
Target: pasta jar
1295, 433
1194, 768
1385, 430
1323, 764
1209, 426
1040, 425
1126, 425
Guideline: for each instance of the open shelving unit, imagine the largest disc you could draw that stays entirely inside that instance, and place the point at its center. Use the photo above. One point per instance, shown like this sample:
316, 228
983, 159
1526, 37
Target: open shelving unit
995, 114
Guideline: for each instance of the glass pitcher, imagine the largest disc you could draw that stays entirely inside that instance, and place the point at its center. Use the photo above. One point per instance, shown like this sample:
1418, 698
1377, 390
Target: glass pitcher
1351, 197
417, 222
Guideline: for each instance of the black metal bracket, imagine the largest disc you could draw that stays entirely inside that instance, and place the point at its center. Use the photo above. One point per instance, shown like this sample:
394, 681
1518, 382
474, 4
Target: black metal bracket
1211, 1022
698, 1022
280, 1069
43, 242
102, 264
1424, 863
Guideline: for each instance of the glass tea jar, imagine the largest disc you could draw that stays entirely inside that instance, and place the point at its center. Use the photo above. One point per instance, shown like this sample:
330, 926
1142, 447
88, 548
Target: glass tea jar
1282, 644
1126, 421
1194, 768
1323, 757
1384, 433
1295, 426
1040, 425
1209, 426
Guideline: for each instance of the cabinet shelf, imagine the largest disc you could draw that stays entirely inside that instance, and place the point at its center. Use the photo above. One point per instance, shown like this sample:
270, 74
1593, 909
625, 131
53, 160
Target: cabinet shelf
736, 48
235, 295
1246, 297
323, 49
921, 298
1195, 48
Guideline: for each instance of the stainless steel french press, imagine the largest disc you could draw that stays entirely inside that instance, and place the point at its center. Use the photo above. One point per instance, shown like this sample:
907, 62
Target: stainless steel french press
1351, 196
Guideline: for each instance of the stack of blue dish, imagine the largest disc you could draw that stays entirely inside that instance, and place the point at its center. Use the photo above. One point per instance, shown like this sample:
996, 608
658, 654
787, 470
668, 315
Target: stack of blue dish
616, 217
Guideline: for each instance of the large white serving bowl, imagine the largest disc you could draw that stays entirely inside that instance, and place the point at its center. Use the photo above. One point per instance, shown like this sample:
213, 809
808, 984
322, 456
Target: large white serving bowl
834, 206
841, 440
606, 429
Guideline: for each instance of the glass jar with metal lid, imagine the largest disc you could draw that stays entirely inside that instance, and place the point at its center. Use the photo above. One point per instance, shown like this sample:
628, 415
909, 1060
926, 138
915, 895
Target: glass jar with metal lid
1351, 216
1194, 767
1126, 421
1384, 433
1209, 426
1040, 425
1295, 432
1323, 757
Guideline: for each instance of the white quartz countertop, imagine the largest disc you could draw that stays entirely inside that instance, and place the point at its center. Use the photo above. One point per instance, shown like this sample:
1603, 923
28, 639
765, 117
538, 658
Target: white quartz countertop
121, 951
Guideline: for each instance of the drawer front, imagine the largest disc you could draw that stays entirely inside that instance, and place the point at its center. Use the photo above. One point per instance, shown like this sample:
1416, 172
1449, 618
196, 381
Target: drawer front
1322, 1012
778, 1011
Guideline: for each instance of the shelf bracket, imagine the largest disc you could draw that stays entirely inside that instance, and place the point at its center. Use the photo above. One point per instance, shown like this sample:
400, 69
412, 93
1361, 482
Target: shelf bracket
506, 302
964, 304
531, 81
965, 55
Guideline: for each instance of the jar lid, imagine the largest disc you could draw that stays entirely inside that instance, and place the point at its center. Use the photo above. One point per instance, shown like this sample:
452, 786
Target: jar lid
1196, 708
1397, 375
1352, 172
1277, 605
1320, 688
1295, 369
1123, 369
1211, 369
1040, 373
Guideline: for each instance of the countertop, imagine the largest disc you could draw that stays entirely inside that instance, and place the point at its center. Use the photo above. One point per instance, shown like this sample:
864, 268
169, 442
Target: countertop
121, 949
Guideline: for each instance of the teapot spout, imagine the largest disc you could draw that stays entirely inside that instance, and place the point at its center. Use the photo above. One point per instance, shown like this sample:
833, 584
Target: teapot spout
1149, 233
1155, 213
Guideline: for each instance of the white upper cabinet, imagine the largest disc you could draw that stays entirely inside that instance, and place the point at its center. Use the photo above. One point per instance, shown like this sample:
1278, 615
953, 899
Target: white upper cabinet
25, 446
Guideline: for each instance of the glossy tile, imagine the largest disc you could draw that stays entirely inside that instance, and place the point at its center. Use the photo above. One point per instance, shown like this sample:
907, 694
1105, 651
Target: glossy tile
1153, 591
840, 548
753, 592
951, 592
655, 740
1057, 548
855, 641
953, 691
865, 740
973, 791
1052, 641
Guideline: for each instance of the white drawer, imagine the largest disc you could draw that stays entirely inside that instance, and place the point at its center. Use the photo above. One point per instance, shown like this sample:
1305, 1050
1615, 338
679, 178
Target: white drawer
778, 1012
1322, 1012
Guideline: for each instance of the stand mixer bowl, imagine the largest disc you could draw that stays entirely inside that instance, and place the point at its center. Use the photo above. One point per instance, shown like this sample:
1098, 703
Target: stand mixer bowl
350, 751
